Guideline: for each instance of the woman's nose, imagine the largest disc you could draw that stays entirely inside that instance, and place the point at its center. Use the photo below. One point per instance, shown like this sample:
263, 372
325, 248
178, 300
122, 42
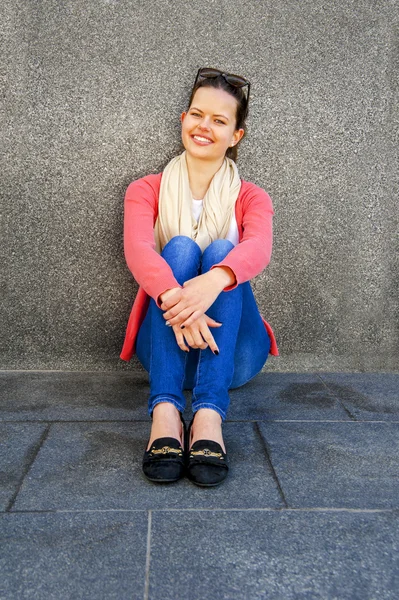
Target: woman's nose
204, 124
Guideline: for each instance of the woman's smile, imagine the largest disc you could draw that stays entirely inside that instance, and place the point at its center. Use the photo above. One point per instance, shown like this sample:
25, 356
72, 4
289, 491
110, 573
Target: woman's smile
201, 140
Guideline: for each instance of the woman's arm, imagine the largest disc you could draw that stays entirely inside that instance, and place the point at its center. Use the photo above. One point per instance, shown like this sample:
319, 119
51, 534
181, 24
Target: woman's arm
253, 253
149, 269
185, 305
243, 262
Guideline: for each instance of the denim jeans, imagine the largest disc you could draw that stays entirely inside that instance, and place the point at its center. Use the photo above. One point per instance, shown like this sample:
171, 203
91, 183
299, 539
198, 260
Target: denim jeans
242, 340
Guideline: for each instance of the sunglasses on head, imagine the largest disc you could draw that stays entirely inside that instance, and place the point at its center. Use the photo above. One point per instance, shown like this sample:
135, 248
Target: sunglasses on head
233, 80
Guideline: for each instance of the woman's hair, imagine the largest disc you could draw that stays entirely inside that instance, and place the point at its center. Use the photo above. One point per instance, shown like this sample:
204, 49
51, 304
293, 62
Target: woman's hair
240, 96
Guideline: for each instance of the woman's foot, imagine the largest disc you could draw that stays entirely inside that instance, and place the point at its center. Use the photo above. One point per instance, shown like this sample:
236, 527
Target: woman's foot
164, 460
166, 422
206, 460
207, 425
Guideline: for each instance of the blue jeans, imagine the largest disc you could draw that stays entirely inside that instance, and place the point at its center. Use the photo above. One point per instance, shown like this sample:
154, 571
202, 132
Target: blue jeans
242, 340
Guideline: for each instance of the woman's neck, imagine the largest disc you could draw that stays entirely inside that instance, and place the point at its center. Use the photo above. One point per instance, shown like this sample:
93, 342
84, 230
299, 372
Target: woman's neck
200, 175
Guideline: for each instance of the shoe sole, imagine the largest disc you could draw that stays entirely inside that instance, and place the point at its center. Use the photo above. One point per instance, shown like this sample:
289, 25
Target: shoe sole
162, 480
206, 484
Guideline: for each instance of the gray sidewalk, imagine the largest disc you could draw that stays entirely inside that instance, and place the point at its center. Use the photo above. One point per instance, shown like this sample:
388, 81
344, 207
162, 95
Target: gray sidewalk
309, 510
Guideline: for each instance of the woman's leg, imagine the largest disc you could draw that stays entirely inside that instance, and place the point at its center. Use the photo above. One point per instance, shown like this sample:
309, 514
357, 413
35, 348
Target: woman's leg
244, 347
253, 341
157, 349
214, 373
252, 345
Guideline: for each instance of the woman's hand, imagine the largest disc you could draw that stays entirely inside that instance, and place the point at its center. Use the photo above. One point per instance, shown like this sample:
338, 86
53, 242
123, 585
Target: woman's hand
185, 305
197, 335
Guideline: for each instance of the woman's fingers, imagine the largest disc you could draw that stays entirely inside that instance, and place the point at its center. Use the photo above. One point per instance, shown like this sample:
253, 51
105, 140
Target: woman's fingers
174, 311
208, 337
197, 315
180, 339
198, 340
170, 298
211, 322
189, 339
197, 335
180, 318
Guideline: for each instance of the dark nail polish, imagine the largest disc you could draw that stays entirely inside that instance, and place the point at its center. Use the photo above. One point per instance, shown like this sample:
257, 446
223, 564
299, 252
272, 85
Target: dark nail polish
182, 326
216, 352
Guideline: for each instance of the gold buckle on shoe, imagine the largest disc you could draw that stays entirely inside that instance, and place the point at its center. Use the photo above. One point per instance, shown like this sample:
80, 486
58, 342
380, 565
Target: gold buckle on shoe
206, 452
166, 450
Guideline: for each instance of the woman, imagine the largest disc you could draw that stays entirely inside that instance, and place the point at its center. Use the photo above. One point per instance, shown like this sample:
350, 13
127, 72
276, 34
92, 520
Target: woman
194, 237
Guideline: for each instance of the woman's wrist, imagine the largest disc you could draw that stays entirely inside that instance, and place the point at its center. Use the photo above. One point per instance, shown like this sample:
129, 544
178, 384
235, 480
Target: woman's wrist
224, 277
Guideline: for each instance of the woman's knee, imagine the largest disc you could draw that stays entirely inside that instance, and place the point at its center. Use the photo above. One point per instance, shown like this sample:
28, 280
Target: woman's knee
181, 244
216, 252
183, 255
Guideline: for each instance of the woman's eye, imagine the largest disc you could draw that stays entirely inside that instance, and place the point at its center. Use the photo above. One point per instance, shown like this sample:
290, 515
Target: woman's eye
219, 121
194, 114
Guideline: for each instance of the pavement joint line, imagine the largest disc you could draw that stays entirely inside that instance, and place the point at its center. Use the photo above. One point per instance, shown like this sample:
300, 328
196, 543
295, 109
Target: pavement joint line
202, 509
148, 558
327, 421
136, 372
32, 458
271, 467
336, 397
72, 421
118, 372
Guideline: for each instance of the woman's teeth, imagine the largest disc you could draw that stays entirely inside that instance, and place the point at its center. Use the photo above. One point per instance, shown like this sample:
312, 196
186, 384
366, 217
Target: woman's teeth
201, 139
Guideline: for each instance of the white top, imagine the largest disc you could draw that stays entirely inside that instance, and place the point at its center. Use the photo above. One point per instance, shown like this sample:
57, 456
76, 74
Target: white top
232, 234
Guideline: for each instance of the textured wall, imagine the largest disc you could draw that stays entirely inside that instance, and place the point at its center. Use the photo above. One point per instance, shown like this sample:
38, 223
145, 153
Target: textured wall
93, 94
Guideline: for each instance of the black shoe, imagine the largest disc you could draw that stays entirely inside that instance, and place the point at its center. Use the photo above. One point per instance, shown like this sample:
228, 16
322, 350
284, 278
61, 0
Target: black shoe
165, 461
206, 462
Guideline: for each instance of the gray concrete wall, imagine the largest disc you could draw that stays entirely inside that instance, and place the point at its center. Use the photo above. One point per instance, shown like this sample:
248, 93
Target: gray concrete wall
92, 95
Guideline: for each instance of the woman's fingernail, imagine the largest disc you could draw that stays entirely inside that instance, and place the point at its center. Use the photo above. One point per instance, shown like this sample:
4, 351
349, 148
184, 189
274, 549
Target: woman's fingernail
182, 326
168, 324
216, 352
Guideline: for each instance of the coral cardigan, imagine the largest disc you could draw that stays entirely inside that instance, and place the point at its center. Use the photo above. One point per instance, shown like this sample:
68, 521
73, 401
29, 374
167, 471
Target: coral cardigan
254, 213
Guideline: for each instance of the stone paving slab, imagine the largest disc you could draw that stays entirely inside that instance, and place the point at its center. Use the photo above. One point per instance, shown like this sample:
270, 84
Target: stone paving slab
284, 396
341, 465
98, 466
18, 444
73, 556
274, 555
80, 396
368, 396
77, 396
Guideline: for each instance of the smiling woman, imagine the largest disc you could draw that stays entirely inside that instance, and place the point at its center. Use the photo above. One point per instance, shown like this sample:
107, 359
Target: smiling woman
211, 124
195, 235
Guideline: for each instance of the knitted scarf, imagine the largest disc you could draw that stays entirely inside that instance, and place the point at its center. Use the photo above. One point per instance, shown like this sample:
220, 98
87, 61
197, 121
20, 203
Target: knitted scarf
175, 215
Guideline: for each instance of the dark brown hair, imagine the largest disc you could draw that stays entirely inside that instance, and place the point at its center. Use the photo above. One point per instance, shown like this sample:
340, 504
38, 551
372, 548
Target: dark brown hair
240, 96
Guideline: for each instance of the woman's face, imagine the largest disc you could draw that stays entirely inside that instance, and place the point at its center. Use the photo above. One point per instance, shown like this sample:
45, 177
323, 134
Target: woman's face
209, 126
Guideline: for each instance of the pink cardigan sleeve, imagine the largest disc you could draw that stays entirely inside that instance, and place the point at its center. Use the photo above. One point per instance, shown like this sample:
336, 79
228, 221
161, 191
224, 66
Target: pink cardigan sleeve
149, 269
253, 253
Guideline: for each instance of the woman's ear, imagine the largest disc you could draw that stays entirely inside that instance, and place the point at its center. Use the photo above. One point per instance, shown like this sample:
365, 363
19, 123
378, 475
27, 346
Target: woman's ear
237, 136
183, 116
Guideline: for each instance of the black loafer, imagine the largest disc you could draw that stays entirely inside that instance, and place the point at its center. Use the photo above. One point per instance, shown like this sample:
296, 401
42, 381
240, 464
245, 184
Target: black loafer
206, 463
165, 461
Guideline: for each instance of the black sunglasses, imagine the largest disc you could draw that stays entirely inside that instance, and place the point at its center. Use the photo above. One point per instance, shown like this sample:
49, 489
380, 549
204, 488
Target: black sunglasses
233, 80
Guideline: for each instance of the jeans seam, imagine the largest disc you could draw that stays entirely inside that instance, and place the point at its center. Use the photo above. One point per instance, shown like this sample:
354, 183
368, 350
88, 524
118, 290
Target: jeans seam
183, 372
197, 375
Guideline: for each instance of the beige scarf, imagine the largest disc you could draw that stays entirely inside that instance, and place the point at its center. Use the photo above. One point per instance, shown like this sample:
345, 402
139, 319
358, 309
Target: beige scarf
175, 214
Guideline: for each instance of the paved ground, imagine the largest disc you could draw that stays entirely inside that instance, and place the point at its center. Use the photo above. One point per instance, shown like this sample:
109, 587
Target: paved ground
310, 508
